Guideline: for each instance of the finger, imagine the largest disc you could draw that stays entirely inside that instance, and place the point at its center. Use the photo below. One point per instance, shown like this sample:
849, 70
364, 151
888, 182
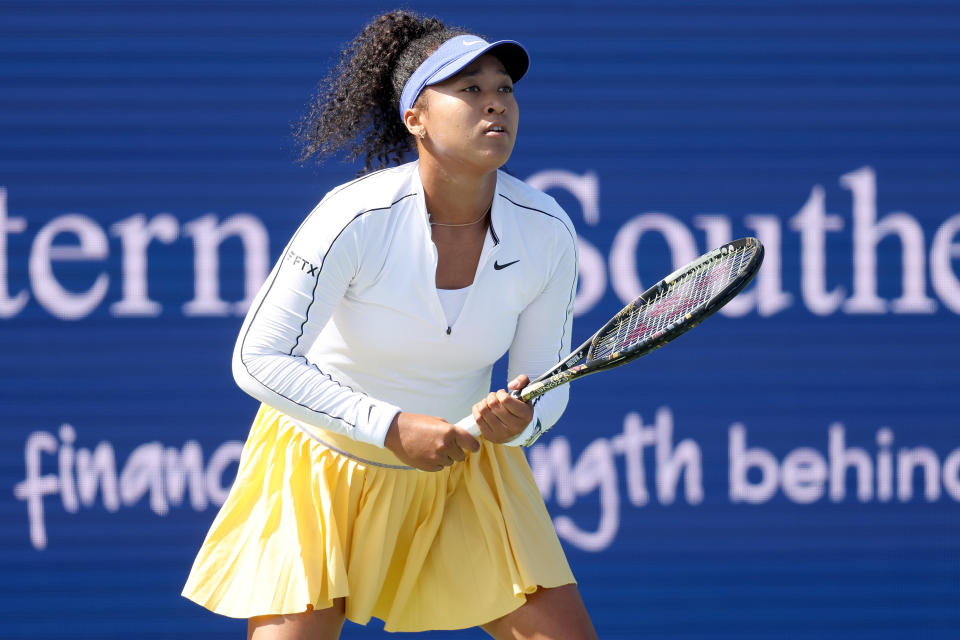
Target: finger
519, 408
455, 453
465, 441
496, 421
495, 414
508, 408
519, 382
487, 423
497, 430
484, 408
481, 412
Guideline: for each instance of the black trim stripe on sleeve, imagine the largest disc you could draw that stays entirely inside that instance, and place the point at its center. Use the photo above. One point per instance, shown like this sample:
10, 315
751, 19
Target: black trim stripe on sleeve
325, 374
313, 297
573, 290
313, 294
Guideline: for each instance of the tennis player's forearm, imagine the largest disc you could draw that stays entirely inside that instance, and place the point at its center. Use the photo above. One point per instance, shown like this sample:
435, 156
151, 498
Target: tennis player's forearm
306, 393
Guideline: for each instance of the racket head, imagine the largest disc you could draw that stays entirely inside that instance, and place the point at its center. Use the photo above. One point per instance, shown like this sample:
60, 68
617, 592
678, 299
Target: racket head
676, 304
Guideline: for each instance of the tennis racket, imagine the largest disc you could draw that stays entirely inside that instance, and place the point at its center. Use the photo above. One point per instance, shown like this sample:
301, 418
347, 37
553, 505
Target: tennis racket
665, 311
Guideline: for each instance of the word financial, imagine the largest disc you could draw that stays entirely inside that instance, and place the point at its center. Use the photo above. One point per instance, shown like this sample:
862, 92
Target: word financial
161, 474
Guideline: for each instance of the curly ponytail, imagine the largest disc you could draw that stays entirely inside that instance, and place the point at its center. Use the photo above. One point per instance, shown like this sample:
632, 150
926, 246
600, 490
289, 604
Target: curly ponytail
356, 107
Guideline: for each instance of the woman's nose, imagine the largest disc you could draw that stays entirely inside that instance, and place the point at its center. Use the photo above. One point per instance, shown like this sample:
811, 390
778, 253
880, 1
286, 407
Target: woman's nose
496, 106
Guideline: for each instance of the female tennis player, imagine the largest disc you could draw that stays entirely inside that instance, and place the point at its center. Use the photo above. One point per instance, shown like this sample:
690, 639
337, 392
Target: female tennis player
356, 495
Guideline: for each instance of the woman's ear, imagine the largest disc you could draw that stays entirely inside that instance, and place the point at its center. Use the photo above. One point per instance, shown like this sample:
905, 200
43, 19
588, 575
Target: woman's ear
414, 123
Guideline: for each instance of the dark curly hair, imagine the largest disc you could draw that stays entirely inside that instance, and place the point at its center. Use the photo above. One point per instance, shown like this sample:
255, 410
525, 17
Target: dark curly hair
356, 106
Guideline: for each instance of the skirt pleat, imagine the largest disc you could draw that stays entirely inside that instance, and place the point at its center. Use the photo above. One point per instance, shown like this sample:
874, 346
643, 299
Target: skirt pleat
304, 524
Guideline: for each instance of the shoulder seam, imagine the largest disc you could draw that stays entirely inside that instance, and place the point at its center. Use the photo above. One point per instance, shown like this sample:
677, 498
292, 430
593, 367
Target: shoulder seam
546, 213
347, 185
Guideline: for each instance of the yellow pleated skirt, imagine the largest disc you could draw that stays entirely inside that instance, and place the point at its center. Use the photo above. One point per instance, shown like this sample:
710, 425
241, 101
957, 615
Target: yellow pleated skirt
306, 523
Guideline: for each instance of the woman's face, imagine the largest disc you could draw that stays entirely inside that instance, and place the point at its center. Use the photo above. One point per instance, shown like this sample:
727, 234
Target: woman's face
470, 119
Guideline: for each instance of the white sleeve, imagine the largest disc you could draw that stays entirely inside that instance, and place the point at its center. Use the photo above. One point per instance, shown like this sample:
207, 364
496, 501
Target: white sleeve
294, 304
543, 337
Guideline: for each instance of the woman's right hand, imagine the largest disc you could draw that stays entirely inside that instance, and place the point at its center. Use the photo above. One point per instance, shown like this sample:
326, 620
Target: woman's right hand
428, 443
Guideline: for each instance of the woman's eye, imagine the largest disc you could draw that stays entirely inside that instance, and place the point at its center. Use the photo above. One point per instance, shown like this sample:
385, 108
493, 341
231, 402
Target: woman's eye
506, 89
472, 88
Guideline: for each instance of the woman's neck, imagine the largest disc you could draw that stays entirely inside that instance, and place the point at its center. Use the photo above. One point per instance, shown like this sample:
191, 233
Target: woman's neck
456, 198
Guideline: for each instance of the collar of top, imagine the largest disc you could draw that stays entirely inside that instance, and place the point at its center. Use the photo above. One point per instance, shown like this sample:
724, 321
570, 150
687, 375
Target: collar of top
455, 54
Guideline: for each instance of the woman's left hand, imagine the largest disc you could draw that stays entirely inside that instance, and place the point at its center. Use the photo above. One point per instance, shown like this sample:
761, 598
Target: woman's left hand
500, 416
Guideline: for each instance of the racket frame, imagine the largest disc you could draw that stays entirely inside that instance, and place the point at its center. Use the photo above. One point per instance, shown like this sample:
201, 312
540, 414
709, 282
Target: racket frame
581, 362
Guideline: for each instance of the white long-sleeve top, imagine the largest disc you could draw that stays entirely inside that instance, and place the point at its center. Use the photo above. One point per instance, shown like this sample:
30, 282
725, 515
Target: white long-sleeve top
348, 328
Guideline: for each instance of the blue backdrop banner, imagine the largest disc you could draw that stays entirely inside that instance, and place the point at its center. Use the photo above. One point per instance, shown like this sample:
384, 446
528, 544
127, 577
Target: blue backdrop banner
789, 469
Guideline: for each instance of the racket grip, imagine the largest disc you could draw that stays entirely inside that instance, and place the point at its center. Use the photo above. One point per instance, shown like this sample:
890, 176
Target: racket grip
470, 426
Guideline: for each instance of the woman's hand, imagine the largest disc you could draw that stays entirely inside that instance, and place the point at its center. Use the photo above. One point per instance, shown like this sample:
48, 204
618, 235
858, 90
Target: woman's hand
500, 416
428, 443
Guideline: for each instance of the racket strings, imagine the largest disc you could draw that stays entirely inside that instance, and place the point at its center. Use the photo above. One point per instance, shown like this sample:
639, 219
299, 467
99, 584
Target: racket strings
672, 304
